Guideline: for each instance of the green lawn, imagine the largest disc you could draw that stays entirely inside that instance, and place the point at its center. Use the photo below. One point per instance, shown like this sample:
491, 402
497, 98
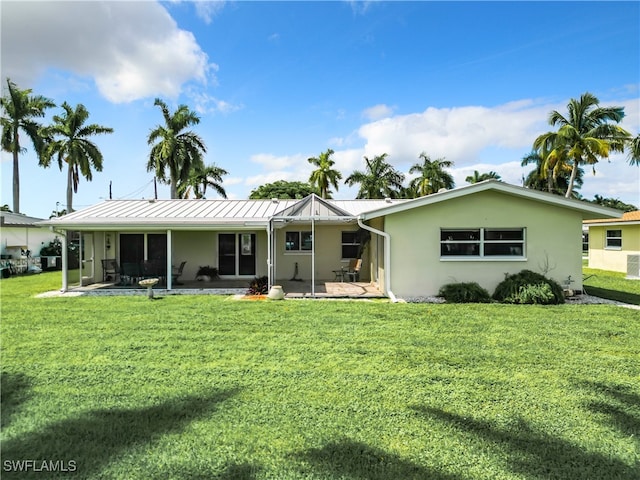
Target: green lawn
202, 387
611, 285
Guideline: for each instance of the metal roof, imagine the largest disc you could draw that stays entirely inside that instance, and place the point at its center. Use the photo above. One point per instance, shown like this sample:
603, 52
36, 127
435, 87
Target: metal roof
10, 219
200, 213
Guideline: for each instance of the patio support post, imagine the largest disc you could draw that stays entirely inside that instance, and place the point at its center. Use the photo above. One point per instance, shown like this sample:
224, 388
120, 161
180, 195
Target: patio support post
65, 262
80, 258
313, 249
169, 260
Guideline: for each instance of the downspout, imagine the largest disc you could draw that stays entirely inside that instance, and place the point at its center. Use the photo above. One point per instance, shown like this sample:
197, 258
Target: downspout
269, 253
387, 257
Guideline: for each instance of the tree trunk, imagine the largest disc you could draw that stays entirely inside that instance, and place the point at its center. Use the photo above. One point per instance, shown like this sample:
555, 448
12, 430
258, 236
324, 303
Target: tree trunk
16, 182
69, 188
574, 173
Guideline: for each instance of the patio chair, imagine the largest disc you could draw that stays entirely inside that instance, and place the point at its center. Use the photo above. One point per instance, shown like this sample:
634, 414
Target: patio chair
177, 273
353, 274
109, 267
131, 272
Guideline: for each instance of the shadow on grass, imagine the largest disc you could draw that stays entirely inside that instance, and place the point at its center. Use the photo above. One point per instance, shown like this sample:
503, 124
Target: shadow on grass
14, 391
620, 405
350, 459
92, 439
239, 471
539, 455
617, 295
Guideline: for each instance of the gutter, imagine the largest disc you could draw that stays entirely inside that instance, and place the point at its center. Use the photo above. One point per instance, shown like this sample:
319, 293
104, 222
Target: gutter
387, 257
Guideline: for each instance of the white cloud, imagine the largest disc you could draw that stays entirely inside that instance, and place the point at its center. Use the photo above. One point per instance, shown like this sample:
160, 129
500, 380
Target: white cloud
377, 112
131, 50
291, 163
460, 134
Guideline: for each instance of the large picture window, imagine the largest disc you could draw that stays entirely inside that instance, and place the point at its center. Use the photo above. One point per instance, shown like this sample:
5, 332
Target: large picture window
350, 244
614, 239
298, 241
482, 242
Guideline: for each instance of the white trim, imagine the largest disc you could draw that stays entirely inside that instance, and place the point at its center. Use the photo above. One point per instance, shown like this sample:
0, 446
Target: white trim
589, 210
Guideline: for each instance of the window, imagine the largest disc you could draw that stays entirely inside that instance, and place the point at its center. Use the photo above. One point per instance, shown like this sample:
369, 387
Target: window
482, 242
298, 241
614, 239
350, 244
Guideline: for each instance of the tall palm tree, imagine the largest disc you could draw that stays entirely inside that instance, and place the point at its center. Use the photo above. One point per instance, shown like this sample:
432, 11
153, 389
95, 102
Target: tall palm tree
478, 177
200, 179
20, 108
555, 180
325, 175
583, 137
175, 149
634, 150
67, 138
431, 175
379, 180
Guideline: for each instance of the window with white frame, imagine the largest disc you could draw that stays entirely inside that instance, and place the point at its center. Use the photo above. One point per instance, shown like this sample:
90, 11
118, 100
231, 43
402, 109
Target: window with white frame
614, 239
482, 242
350, 244
298, 241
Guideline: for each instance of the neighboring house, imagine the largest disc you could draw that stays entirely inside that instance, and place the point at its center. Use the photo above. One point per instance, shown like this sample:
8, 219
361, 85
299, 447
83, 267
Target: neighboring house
409, 248
614, 244
19, 233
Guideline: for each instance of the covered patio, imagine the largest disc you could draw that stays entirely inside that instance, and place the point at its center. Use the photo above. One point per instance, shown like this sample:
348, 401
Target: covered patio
293, 289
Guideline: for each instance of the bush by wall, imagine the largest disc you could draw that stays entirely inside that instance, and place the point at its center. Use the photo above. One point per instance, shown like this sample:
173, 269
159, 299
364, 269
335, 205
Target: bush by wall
528, 287
469, 292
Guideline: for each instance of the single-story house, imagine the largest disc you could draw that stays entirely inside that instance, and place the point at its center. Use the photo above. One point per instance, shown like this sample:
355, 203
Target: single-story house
409, 248
614, 244
20, 233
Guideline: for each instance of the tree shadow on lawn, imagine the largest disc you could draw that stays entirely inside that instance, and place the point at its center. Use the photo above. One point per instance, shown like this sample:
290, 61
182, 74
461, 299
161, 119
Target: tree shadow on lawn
14, 391
234, 471
94, 438
537, 454
348, 458
621, 405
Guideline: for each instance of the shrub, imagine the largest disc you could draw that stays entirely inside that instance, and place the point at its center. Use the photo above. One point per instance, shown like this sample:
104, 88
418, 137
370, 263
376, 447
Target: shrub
258, 286
469, 292
529, 287
532, 294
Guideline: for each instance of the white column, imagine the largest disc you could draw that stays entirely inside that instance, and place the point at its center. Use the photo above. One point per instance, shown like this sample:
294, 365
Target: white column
65, 262
169, 260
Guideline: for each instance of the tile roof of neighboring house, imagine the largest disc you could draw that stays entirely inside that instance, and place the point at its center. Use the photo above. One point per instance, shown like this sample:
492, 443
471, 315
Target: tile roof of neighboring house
627, 217
200, 213
10, 219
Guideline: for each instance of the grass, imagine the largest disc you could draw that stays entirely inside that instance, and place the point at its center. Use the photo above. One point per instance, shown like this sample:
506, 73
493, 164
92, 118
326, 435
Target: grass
207, 387
611, 285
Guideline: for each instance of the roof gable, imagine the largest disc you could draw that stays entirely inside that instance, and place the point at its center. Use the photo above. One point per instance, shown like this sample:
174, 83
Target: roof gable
312, 206
587, 210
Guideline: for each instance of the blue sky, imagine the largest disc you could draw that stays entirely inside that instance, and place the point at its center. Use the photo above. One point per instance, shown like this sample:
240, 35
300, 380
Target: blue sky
278, 82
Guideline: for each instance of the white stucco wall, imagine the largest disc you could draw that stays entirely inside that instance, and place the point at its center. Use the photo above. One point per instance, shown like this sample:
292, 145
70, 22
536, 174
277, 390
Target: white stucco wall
553, 241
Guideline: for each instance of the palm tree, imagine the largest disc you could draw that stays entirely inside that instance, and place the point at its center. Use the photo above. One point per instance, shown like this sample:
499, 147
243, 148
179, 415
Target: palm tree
554, 181
67, 138
21, 108
432, 176
174, 149
583, 137
200, 179
634, 150
324, 176
379, 180
478, 177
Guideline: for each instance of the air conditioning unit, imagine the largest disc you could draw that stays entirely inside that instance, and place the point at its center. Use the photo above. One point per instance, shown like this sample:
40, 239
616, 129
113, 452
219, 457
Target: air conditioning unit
633, 266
